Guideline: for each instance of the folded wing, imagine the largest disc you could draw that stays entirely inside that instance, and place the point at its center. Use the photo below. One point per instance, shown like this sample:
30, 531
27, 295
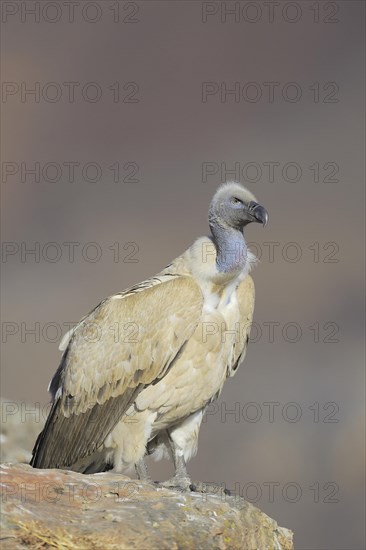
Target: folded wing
129, 341
246, 297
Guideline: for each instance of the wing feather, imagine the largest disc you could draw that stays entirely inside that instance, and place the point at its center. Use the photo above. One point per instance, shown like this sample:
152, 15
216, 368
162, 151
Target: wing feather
246, 297
127, 342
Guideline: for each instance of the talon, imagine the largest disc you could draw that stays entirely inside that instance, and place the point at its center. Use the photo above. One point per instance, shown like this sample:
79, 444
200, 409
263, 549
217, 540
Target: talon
176, 483
201, 487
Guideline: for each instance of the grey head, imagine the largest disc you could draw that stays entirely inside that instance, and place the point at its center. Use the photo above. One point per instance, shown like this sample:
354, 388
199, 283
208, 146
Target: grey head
232, 208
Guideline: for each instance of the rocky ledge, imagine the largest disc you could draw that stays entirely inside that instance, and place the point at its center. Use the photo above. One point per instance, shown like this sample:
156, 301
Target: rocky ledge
63, 510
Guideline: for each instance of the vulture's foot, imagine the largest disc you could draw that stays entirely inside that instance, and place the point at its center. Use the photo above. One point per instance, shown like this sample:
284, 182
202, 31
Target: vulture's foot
148, 480
212, 488
178, 483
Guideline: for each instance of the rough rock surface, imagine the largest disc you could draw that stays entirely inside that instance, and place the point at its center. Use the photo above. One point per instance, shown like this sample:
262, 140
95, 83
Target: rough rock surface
59, 509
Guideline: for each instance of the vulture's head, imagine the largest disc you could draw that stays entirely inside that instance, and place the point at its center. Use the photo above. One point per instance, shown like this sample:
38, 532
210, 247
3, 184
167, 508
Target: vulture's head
233, 206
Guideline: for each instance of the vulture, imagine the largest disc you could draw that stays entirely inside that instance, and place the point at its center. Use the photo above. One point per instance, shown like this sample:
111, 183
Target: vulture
139, 370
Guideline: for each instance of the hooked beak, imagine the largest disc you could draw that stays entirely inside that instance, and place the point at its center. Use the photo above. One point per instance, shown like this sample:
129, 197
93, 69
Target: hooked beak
258, 213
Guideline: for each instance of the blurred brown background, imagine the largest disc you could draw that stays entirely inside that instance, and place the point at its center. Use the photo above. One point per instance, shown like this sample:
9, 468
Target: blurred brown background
161, 130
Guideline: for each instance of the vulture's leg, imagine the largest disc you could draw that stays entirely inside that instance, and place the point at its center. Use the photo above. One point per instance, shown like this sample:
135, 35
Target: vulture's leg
181, 480
182, 443
141, 471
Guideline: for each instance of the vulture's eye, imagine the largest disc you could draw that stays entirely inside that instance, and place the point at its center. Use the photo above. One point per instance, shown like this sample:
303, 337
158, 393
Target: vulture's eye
235, 200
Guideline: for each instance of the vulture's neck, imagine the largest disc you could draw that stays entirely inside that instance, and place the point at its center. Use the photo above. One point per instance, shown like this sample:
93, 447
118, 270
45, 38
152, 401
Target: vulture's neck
231, 248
